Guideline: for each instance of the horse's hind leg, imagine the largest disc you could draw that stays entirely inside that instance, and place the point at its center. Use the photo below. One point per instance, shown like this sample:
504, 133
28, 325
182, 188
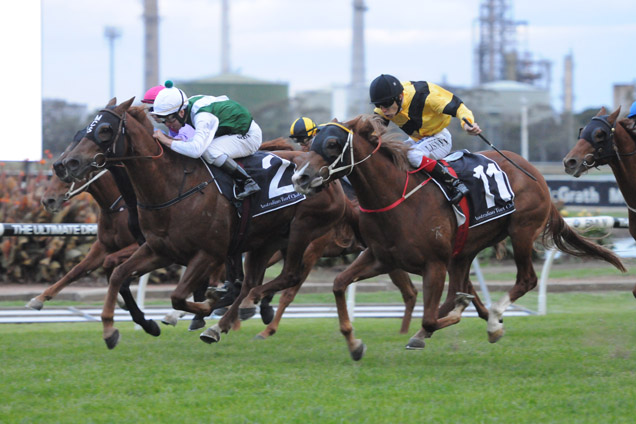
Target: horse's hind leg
459, 282
403, 282
137, 314
522, 242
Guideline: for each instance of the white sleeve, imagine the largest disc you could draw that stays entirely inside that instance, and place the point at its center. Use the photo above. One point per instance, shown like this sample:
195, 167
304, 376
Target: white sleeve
205, 125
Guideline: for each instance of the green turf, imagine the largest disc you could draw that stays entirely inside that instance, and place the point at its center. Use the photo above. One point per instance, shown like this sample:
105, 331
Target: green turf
575, 365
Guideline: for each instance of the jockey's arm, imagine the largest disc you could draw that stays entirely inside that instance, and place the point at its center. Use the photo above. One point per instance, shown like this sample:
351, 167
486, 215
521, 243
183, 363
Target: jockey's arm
205, 125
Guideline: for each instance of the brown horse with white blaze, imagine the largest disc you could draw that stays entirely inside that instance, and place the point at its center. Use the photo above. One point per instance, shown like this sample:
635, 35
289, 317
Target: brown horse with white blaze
607, 140
185, 220
417, 235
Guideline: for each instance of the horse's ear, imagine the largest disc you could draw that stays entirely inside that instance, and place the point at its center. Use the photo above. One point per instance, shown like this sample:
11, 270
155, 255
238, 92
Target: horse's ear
112, 102
126, 105
601, 112
614, 115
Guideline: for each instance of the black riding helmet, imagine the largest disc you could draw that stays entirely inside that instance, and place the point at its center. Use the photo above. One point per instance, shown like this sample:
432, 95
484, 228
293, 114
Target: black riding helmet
385, 89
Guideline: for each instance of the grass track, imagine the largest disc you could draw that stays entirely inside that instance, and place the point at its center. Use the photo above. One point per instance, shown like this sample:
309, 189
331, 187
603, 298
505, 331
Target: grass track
575, 365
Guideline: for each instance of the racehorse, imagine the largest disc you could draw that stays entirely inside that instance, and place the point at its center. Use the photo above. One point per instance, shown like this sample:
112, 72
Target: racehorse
186, 222
606, 140
417, 232
114, 244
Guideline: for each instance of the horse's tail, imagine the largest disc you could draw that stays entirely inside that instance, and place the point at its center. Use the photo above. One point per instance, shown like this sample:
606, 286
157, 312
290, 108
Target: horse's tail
564, 238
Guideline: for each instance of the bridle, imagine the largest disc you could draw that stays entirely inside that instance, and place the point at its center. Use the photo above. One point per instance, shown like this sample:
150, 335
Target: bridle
334, 167
109, 144
72, 191
605, 149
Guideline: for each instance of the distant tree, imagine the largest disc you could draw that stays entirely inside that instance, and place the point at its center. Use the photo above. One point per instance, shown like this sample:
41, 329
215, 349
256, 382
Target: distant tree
60, 122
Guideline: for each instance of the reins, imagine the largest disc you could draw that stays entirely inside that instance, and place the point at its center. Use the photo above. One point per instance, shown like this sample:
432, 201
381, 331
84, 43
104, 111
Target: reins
73, 191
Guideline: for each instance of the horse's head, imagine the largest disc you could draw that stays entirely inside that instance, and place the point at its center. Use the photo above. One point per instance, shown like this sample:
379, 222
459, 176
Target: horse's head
333, 153
595, 146
104, 138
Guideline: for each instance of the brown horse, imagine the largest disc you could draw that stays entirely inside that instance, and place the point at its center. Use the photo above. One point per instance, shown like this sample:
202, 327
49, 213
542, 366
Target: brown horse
418, 234
114, 244
186, 221
606, 140
343, 239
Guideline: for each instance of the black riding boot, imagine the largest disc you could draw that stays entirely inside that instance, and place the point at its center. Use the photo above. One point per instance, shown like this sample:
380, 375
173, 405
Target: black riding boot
242, 177
456, 187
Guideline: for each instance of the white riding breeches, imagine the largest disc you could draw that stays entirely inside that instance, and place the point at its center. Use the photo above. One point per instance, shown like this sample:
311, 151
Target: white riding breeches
436, 146
234, 145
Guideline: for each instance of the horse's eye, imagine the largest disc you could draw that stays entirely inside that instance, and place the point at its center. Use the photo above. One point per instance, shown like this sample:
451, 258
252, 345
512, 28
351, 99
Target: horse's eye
599, 134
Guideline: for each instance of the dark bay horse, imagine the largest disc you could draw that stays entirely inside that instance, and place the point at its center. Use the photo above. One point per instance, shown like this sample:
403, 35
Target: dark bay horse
114, 244
196, 229
417, 235
607, 140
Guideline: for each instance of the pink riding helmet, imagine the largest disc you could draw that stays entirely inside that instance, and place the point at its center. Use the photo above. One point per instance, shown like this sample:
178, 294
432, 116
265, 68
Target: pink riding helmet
151, 94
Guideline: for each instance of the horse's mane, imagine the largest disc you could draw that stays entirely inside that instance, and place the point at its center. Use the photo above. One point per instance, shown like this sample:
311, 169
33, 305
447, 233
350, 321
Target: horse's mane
139, 113
372, 129
629, 125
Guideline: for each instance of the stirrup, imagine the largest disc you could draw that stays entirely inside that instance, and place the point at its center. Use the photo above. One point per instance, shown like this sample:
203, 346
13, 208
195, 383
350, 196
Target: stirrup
249, 188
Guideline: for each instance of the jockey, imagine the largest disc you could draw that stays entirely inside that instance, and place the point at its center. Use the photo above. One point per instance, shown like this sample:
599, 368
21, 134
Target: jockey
302, 131
423, 110
184, 133
223, 130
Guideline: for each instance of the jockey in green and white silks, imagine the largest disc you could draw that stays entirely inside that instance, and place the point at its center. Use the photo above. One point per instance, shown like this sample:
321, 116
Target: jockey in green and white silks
224, 130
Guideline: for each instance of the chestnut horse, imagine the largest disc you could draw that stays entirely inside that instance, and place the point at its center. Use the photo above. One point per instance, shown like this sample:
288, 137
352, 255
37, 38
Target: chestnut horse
606, 140
418, 234
186, 221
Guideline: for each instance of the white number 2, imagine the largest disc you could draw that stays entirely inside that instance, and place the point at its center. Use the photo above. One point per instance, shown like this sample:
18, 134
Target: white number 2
274, 189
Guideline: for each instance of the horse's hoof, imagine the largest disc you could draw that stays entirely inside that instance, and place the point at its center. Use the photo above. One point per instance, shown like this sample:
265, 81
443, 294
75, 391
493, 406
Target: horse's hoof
259, 337
170, 319
214, 294
415, 344
220, 311
267, 314
196, 324
247, 313
493, 337
112, 340
358, 352
35, 304
210, 336
463, 299
152, 328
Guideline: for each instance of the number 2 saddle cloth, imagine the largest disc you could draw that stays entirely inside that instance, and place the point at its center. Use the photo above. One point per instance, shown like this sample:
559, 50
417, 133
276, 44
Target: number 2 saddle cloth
490, 196
271, 173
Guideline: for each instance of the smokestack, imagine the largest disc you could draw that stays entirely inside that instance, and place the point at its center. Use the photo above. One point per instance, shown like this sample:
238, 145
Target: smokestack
225, 37
151, 47
358, 97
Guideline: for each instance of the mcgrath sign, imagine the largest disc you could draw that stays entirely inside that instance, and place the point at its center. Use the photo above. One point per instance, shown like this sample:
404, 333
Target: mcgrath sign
586, 191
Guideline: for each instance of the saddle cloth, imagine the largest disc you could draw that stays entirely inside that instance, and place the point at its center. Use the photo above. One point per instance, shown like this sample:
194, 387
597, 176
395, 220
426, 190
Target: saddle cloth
490, 196
272, 174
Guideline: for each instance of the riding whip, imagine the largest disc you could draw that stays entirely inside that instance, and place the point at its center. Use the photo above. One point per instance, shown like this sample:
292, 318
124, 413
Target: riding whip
499, 151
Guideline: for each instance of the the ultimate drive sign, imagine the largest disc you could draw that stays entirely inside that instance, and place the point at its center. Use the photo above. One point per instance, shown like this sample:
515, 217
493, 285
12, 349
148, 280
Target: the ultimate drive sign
585, 191
48, 229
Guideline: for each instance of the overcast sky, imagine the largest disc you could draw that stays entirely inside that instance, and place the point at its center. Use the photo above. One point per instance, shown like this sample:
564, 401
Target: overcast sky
308, 43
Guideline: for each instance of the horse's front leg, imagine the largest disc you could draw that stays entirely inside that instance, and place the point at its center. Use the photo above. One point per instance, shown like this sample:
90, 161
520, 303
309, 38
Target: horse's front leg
141, 262
91, 262
365, 266
403, 282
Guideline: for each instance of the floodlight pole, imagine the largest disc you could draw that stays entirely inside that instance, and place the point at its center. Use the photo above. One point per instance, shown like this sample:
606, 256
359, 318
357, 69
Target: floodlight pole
111, 33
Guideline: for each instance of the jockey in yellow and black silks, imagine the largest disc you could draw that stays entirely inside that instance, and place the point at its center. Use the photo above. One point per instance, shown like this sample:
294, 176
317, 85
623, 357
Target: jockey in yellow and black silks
423, 110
